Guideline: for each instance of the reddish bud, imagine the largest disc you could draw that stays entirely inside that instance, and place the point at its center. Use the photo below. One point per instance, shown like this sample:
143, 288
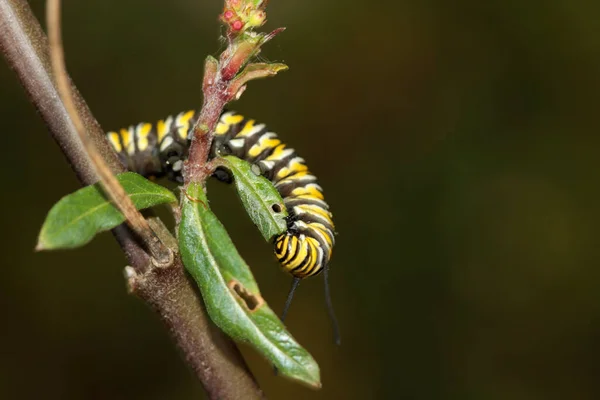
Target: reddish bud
237, 25
228, 15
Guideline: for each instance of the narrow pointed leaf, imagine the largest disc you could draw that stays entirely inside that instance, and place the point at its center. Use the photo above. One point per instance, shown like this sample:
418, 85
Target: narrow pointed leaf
262, 201
231, 294
79, 216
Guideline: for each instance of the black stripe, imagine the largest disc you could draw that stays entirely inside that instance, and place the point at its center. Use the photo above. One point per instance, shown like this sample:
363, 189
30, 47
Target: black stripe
298, 247
309, 218
251, 141
307, 261
285, 251
286, 189
295, 201
284, 162
310, 232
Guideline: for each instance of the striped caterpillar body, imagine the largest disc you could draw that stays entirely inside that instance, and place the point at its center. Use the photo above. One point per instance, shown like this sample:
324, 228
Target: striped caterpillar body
155, 150
159, 150
305, 248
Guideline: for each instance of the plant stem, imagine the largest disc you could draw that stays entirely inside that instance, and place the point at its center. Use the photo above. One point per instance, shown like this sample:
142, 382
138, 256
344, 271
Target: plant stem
215, 98
224, 81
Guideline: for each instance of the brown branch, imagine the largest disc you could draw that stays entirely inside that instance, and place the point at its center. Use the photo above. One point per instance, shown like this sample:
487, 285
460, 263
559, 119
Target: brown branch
213, 357
110, 184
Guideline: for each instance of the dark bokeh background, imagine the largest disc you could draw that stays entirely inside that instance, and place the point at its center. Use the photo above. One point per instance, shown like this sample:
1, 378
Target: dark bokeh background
458, 145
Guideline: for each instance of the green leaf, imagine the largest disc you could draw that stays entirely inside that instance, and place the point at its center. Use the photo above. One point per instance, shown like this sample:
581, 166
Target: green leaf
262, 201
79, 216
231, 294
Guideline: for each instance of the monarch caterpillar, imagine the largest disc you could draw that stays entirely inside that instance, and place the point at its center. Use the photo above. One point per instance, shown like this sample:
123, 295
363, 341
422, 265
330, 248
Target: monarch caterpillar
305, 248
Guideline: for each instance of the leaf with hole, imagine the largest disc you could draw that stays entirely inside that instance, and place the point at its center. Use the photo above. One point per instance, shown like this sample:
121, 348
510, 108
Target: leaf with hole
79, 216
231, 294
262, 201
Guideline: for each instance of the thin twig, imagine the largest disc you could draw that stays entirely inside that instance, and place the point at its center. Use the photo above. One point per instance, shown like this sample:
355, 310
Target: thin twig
113, 189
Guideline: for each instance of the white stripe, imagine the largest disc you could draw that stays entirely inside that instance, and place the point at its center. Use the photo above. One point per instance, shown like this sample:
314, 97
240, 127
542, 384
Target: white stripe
286, 181
167, 141
267, 165
300, 211
255, 129
267, 136
131, 144
283, 155
225, 115
321, 204
236, 143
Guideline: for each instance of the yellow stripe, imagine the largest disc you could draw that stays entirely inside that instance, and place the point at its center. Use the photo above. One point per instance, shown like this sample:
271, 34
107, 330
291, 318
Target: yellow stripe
308, 191
310, 197
328, 229
127, 136
262, 145
233, 119
302, 253
280, 245
162, 130
226, 122
183, 124
284, 245
277, 153
113, 138
294, 241
312, 253
142, 139
293, 167
313, 209
297, 175
221, 128
248, 126
326, 233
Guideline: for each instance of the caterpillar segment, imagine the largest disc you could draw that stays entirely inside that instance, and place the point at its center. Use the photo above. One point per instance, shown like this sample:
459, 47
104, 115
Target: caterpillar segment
155, 150
305, 249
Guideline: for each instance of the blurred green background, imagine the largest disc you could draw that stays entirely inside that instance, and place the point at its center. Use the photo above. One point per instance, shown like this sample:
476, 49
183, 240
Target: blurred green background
458, 146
